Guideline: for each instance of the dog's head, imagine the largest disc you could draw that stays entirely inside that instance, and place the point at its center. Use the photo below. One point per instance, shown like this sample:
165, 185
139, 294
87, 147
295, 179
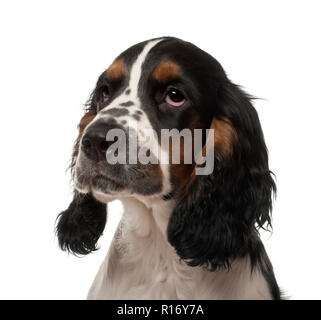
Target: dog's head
148, 92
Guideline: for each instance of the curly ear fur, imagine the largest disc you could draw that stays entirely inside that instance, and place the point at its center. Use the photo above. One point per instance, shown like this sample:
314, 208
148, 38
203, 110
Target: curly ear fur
218, 218
80, 226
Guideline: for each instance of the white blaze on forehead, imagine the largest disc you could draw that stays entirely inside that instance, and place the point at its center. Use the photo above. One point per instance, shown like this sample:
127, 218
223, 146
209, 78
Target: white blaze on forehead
136, 70
134, 77
144, 123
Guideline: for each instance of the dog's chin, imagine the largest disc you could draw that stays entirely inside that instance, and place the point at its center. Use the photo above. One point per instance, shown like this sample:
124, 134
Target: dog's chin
103, 197
103, 188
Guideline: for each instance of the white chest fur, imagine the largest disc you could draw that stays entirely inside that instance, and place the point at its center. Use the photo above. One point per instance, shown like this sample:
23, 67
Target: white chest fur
141, 264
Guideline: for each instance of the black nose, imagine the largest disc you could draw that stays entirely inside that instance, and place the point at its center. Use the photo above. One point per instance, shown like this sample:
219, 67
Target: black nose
94, 143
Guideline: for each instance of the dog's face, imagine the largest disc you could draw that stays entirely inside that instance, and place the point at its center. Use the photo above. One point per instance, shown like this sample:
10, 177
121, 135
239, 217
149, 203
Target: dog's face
159, 84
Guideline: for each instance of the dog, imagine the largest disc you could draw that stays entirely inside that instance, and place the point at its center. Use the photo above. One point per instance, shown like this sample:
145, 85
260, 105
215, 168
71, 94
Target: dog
183, 235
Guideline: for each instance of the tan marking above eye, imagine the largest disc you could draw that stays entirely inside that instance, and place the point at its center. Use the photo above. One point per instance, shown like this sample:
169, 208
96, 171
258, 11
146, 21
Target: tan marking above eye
166, 71
117, 70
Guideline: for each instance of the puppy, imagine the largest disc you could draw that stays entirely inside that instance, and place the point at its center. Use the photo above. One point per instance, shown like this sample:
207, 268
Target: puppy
190, 229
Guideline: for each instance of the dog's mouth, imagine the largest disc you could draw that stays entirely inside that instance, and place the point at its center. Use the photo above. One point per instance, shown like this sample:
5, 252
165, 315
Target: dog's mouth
116, 180
94, 181
96, 177
103, 183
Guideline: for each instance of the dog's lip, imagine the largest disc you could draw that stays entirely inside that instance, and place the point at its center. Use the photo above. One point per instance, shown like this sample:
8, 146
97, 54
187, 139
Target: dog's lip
85, 182
107, 178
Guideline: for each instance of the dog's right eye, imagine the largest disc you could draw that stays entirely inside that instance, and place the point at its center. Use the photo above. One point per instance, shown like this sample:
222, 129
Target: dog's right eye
104, 95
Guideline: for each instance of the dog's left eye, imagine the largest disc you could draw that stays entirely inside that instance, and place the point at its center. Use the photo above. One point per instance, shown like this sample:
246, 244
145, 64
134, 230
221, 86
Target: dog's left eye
174, 97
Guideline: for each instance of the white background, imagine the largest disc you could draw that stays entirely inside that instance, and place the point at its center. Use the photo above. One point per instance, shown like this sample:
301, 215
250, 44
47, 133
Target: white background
51, 55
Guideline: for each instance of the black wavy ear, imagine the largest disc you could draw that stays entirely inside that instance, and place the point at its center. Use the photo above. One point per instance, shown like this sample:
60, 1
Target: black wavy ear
80, 226
217, 219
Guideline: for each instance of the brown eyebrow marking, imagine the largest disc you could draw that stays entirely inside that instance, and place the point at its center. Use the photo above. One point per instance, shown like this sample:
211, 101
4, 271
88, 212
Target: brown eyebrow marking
116, 70
166, 71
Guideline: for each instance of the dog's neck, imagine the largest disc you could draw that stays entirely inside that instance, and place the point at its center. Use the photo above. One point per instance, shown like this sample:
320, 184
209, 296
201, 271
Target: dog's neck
141, 216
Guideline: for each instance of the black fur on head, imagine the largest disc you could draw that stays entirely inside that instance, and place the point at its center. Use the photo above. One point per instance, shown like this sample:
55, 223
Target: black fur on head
80, 226
218, 217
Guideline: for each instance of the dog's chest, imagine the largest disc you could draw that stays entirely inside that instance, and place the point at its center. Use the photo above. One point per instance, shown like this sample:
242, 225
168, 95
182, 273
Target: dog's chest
141, 264
148, 268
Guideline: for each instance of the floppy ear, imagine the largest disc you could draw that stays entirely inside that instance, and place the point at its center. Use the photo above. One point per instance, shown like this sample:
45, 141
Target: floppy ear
80, 226
218, 217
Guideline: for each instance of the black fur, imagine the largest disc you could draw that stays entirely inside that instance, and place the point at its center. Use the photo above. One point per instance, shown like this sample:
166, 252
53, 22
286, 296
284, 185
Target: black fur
80, 226
218, 218
127, 104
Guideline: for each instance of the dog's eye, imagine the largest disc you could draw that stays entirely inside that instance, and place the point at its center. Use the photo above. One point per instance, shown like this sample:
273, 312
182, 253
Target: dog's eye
174, 97
104, 96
